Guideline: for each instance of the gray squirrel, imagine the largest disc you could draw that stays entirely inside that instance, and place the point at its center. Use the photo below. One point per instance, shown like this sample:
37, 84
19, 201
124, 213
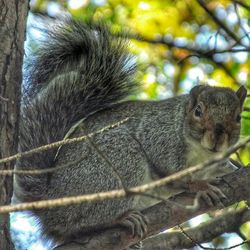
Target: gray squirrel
84, 73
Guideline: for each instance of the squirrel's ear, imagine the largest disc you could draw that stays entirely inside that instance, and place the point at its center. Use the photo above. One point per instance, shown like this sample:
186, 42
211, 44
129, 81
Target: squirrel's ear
241, 93
194, 93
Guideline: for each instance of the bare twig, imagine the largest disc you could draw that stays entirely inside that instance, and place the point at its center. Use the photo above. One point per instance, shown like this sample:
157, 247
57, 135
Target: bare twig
59, 143
207, 231
219, 22
121, 193
243, 237
162, 215
242, 4
200, 53
107, 161
240, 21
41, 171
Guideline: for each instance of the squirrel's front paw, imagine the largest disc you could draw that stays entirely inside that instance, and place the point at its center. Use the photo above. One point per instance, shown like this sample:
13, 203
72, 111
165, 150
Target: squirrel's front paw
211, 194
135, 222
137, 246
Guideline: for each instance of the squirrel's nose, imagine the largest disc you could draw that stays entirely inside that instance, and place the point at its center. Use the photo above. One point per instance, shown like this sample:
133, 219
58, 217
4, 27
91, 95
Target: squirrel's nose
219, 129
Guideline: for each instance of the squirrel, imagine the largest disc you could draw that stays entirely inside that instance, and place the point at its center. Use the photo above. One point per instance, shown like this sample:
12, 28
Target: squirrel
80, 77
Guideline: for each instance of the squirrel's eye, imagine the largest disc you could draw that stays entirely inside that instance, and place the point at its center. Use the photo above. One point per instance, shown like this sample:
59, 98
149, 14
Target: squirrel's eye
238, 118
198, 111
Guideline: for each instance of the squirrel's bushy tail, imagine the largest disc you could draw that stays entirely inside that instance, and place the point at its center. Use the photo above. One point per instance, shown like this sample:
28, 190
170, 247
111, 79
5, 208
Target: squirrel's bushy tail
78, 70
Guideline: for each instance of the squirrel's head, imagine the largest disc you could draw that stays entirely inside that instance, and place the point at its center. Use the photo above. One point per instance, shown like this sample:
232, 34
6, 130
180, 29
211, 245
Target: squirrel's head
214, 116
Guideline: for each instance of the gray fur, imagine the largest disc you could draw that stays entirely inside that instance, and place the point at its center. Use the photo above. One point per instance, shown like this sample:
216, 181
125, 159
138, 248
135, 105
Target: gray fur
84, 74
78, 71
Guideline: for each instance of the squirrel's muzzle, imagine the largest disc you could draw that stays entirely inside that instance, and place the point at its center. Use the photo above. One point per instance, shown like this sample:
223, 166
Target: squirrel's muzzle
216, 140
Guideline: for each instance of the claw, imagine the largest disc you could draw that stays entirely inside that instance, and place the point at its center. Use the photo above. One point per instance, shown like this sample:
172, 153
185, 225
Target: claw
135, 222
137, 246
218, 191
211, 194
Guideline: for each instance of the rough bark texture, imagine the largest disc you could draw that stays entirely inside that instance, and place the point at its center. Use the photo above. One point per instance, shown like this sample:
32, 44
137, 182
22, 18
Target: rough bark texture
235, 186
228, 222
13, 15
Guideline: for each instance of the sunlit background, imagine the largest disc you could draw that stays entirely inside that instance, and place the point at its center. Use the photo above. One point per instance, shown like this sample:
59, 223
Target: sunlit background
177, 44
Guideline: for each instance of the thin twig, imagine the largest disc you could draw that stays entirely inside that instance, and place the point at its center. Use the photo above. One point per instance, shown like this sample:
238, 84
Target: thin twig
40, 171
107, 161
242, 4
219, 22
59, 143
121, 193
240, 21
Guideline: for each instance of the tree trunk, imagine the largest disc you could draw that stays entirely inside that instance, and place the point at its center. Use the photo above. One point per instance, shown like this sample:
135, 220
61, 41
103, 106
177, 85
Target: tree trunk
13, 14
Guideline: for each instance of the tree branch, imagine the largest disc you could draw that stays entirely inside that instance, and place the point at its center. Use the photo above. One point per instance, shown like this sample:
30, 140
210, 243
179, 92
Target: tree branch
219, 22
200, 53
242, 4
121, 192
228, 222
60, 143
163, 215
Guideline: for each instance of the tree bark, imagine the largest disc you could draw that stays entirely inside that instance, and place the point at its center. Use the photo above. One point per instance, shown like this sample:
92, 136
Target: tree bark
228, 221
13, 14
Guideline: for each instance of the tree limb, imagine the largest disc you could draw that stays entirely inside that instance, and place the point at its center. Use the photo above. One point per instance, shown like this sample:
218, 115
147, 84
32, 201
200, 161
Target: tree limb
163, 215
198, 52
216, 160
228, 222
